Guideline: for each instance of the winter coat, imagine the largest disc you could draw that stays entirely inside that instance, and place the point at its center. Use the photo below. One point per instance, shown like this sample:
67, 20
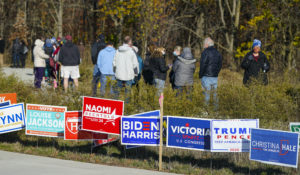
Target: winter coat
69, 54
159, 68
184, 68
96, 48
125, 63
211, 63
147, 71
255, 68
39, 54
17, 47
2, 46
105, 60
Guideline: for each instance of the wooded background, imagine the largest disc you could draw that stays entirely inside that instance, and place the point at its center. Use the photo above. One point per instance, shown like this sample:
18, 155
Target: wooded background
232, 24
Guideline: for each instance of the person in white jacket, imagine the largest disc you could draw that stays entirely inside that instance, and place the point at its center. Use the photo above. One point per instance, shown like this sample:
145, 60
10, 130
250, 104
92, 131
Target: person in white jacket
125, 64
39, 62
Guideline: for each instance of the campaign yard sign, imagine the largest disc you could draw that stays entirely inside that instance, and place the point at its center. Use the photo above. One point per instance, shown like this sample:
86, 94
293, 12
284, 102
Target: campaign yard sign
73, 128
140, 130
45, 120
102, 115
232, 135
274, 147
104, 141
144, 114
6, 103
295, 127
12, 97
12, 118
188, 133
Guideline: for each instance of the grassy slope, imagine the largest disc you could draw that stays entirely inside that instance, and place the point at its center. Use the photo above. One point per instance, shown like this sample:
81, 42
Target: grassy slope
271, 104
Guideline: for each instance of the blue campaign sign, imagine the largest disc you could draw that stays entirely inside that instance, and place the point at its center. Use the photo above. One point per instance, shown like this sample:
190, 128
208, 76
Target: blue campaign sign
12, 118
188, 133
140, 130
274, 147
145, 114
6, 103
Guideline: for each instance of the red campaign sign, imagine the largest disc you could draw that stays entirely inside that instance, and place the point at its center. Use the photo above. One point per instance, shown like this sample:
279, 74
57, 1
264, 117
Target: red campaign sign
102, 115
104, 141
73, 128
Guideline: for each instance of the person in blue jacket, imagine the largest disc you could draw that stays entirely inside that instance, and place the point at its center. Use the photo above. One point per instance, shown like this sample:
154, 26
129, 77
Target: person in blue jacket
105, 65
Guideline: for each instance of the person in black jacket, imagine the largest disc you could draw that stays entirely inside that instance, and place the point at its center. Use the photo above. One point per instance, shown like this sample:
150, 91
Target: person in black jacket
210, 67
147, 71
255, 64
69, 57
16, 49
96, 48
2, 47
159, 68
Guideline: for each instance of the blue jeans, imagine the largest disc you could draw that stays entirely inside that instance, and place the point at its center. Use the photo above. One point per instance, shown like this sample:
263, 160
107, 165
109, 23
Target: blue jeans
126, 84
159, 84
96, 79
103, 80
16, 60
209, 85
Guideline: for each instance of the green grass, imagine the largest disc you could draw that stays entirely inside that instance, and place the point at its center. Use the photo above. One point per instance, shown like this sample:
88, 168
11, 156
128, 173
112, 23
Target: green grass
275, 105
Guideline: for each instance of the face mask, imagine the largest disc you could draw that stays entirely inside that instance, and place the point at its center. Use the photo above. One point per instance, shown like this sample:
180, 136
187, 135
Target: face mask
174, 53
163, 52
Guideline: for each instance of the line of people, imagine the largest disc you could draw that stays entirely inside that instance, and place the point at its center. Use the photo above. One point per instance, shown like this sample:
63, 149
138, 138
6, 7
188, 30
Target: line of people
55, 59
125, 66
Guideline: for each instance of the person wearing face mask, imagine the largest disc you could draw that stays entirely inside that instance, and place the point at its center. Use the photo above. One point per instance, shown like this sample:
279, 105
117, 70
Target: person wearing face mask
159, 68
176, 54
256, 64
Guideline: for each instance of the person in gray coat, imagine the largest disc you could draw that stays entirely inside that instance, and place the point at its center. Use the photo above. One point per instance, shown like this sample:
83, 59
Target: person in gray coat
184, 68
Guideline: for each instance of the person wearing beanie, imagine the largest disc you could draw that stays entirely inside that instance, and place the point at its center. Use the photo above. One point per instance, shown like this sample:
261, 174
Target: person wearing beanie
255, 64
69, 57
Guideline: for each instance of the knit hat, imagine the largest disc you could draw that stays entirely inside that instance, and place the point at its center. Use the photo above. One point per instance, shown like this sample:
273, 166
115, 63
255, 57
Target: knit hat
68, 37
256, 42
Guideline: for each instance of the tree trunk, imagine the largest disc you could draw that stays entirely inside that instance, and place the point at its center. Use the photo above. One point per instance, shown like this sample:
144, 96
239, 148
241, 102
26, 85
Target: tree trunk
200, 33
1, 18
60, 19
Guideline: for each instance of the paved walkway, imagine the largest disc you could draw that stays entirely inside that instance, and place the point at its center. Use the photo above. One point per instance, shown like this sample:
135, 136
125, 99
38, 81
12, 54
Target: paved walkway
23, 164
24, 74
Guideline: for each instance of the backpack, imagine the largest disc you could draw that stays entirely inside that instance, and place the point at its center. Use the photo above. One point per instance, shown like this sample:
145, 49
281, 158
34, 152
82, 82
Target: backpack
48, 50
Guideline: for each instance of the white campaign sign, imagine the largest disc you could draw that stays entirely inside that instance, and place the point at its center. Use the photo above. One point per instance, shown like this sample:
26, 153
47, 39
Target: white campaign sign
232, 135
12, 118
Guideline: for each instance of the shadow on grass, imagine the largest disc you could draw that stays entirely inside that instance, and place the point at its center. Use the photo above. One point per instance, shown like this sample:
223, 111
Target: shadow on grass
141, 153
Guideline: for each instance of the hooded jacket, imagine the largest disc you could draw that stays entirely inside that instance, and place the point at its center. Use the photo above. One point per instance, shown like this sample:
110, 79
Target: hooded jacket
184, 68
125, 63
69, 54
39, 54
105, 60
211, 63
